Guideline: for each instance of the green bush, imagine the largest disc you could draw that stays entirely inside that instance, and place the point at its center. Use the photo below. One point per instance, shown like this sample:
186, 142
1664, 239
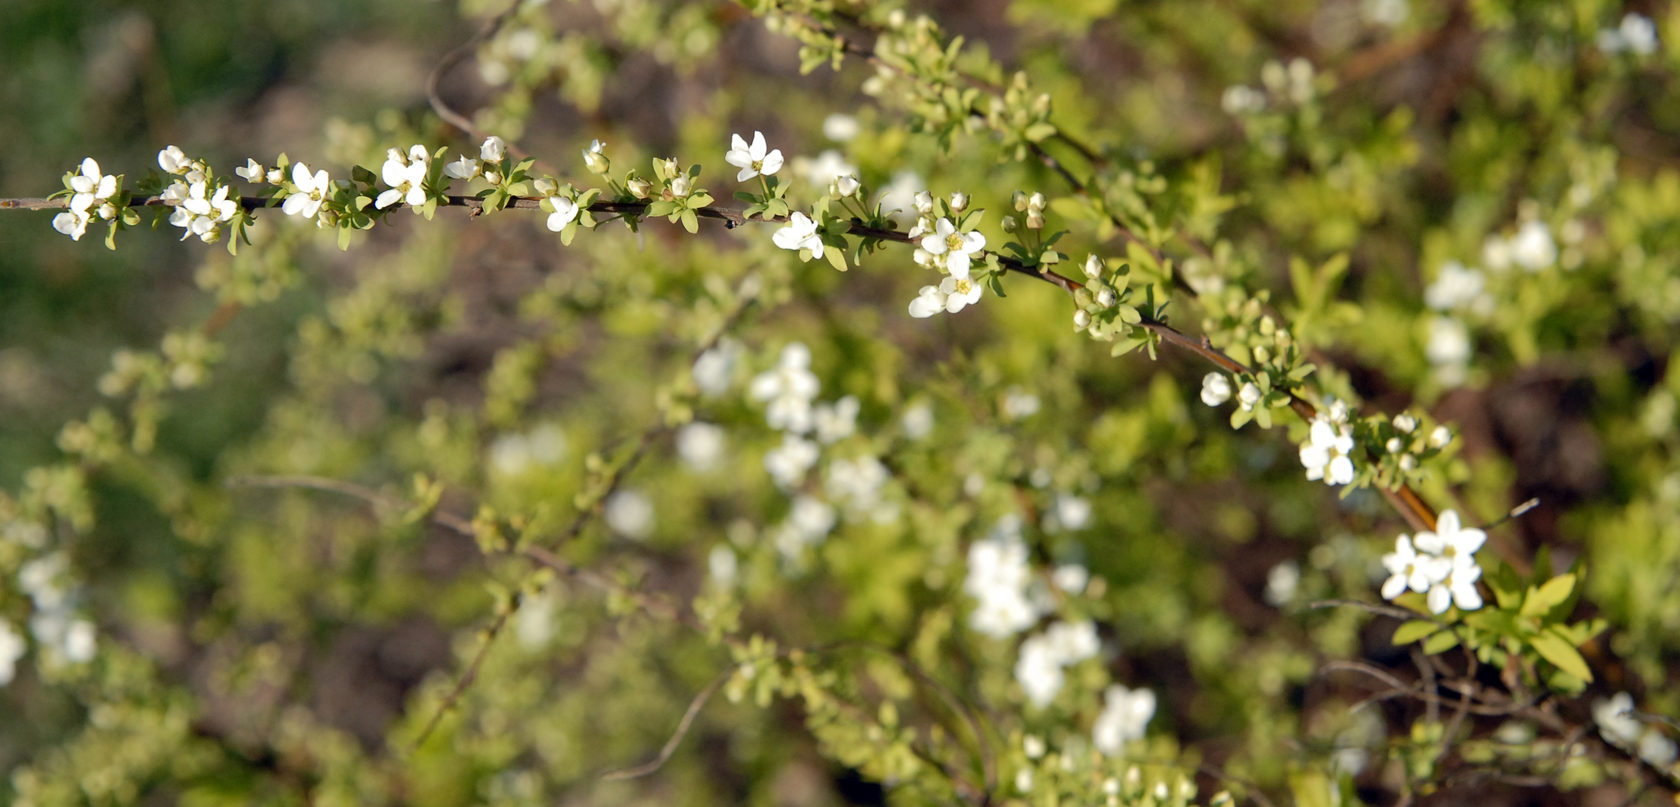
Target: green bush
833, 401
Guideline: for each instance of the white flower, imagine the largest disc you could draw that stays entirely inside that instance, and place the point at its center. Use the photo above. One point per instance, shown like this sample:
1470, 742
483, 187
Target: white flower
827, 167
12, 647
1039, 671
836, 421
1126, 713
1616, 721
1248, 396
494, 150
1325, 455
1404, 423
1409, 570
72, 223
1070, 577
252, 172
840, 128
928, 302
1656, 749
1216, 389
917, 421
700, 445
999, 574
789, 390
1458, 589
788, 463
800, 233
565, 211
957, 248
311, 192
807, 524
1449, 342
173, 161
960, 292
898, 198
714, 369
1282, 581
1093, 267
845, 185
629, 513
857, 484
91, 186
1450, 540
1019, 403
1455, 287
1636, 34
463, 168
722, 565
1440, 437
752, 160
405, 176
79, 641
1069, 512
1073, 642
1238, 100
1532, 247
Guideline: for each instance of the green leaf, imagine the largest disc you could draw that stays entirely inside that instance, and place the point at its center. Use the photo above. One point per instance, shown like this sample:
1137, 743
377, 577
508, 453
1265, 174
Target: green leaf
836, 257
1549, 595
1440, 642
689, 222
1554, 648
1414, 630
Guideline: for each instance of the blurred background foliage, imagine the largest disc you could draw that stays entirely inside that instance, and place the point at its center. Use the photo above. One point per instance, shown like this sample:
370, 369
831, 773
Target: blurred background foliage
287, 644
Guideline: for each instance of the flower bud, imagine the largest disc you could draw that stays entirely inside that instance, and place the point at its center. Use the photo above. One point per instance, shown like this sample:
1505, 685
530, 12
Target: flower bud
1105, 298
1081, 319
639, 188
1093, 267
493, 150
1440, 437
679, 186
1019, 200
959, 202
845, 185
595, 160
1010, 224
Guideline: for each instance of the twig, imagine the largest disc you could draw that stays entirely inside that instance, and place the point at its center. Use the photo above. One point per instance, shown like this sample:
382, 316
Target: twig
670, 747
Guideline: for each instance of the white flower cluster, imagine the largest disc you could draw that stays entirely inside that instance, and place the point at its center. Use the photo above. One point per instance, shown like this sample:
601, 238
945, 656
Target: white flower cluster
809, 521
1126, 714
92, 197
1328, 452
406, 174
1460, 292
54, 625
1636, 34
1531, 248
1216, 390
199, 210
829, 170
512, 454
488, 165
1292, 83
1441, 565
1618, 724
1043, 656
1000, 579
941, 245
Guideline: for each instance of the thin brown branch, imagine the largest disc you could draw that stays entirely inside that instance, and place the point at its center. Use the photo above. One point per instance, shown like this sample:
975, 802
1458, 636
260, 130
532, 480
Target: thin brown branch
670, 747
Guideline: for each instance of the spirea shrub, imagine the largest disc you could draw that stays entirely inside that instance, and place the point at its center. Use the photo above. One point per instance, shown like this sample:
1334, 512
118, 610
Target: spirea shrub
821, 401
